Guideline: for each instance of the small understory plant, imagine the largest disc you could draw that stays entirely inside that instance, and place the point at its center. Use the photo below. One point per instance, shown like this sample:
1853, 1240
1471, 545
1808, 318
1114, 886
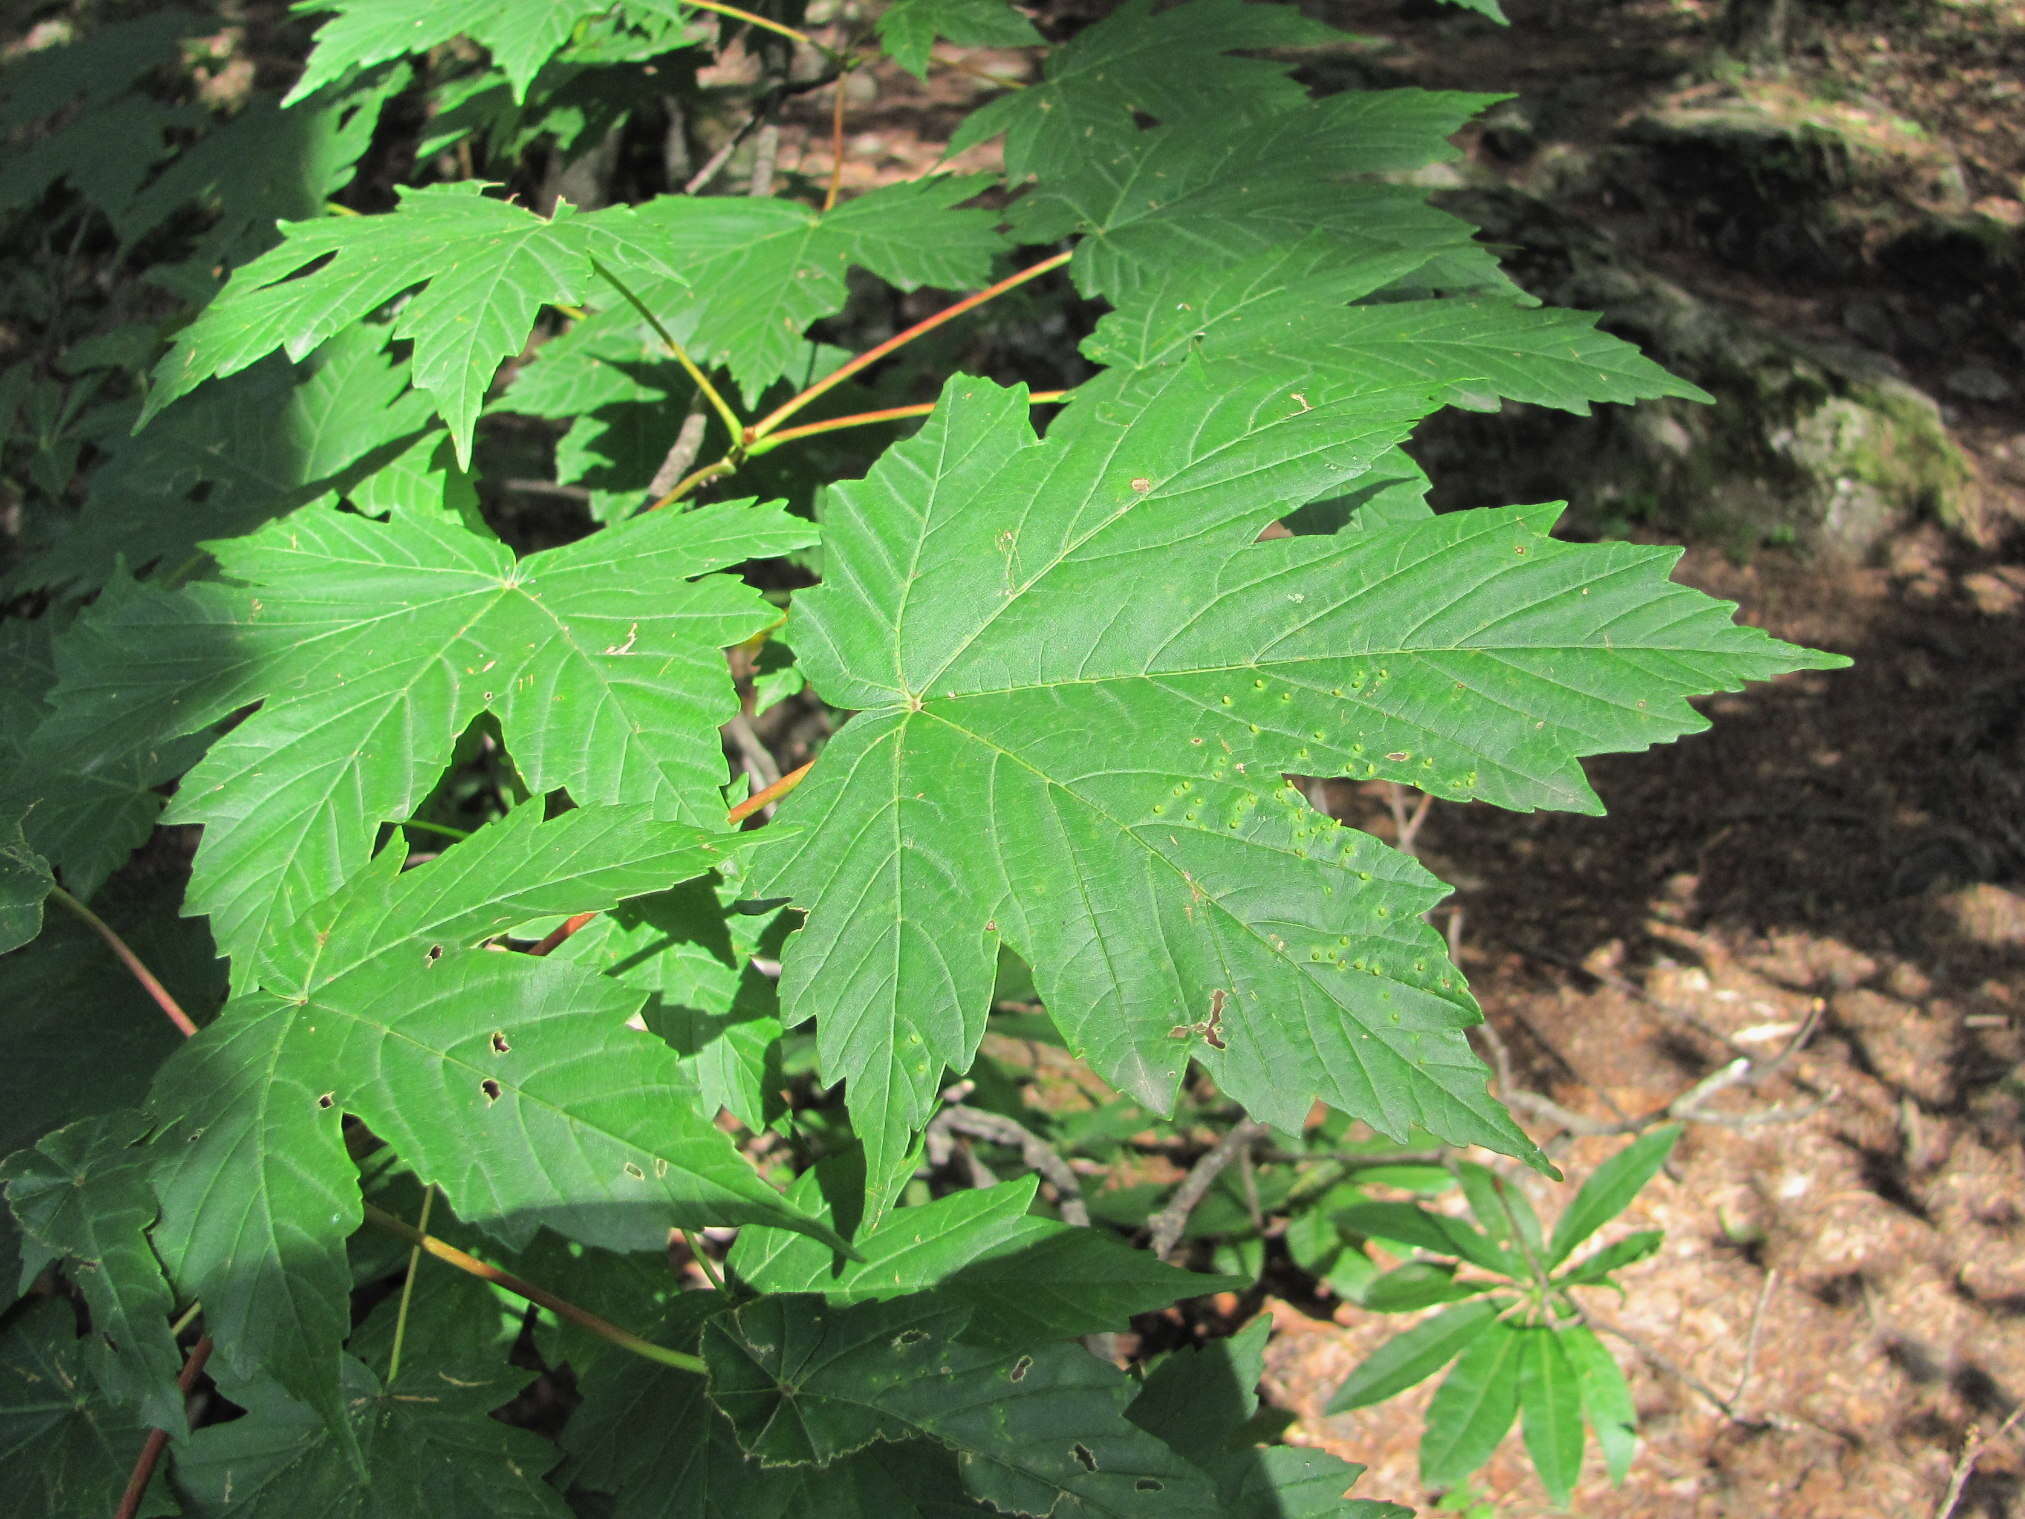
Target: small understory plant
1523, 1345
591, 739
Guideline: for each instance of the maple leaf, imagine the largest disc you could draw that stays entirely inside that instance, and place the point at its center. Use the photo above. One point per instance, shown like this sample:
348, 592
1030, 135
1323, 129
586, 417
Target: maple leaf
238, 453
981, 1249
803, 1382
1169, 64
694, 1469
1196, 196
755, 273
511, 1082
908, 28
25, 883
82, 1193
485, 267
422, 1434
63, 1451
1199, 1399
373, 645
693, 955
521, 35
1289, 312
1080, 681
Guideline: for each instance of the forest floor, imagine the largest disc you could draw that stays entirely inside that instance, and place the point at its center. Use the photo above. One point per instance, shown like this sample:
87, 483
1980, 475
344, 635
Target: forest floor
1839, 863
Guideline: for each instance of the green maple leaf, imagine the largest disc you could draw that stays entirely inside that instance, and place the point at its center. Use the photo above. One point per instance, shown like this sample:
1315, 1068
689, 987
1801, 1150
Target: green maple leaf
1288, 312
1080, 680
694, 1469
693, 955
1196, 196
239, 453
1024, 1278
420, 1414
373, 645
756, 273
25, 884
1171, 64
521, 35
485, 268
92, 80
64, 1449
908, 28
423, 1434
1198, 1400
263, 165
511, 1082
82, 1193
1036, 1432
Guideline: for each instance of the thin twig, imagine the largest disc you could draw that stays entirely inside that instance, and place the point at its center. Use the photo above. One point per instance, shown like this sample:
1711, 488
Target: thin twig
1405, 824
129, 959
1348, 1160
703, 1262
1751, 1339
573, 493
714, 470
1630, 989
681, 454
1164, 1228
1034, 1150
1973, 1446
1691, 1106
753, 756
158, 1439
1673, 1369
1680, 1110
773, 100
765, 156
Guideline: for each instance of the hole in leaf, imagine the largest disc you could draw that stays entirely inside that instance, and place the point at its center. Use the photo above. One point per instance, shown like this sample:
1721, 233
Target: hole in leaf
1149, 1485
326, 1100
490, 1088
499, 1044
435, 953
1083, 1456
908, 1337
1020, 1368
635, 1172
